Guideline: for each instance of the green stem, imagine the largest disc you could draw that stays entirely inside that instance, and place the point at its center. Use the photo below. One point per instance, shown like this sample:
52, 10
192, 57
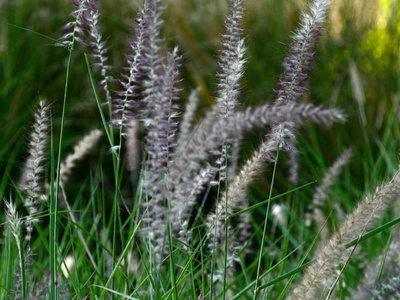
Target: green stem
256, 288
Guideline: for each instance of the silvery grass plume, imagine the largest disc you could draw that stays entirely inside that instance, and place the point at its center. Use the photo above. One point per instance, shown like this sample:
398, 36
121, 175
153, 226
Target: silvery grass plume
81, 149
382, 277
282, 135
320, 194
237, 192
388, 287
296, 66
133, 146
243, 122
173, 179
204, 143
32, 172
14, 223
385, 283
75, 28
160, 143
231, 63
237, 195
125, 104
100, 54
186, 125
357, 90
321, 276
250, 171
158, 111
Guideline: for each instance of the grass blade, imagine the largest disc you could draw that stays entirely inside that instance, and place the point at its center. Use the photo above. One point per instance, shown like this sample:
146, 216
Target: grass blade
373, 232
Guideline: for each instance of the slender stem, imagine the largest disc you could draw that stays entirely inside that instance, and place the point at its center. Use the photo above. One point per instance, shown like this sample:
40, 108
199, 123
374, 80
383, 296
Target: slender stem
214, 244
226, 219
256, 288
52, 251
22, 263
54, 200
34, 32
171, 263
10, 265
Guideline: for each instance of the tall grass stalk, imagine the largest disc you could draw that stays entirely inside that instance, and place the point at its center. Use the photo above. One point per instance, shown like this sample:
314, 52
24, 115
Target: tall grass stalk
256, 287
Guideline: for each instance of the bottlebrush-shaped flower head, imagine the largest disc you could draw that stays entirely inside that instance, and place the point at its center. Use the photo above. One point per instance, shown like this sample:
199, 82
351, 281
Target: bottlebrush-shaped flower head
100, 53
298, 62
125, 103
75, 28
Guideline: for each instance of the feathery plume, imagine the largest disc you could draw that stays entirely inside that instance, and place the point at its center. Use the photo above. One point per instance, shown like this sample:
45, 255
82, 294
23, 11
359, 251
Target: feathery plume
152, 65
266, 153
160, 140
293, 162
13, 220
241, 123
296, 66
298, 61
319, 276
33, 169
133, 146
231, 63
357, 90
234, 159
125, 103
160, 143
204, 142
388, 284
231, 60
100, 54
81, 149
181, 211
237, 192
75, 27
371, 285
185, 128
318, 201
330, 177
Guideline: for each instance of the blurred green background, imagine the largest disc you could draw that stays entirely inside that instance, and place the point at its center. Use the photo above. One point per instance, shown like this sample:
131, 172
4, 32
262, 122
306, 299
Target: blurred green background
357, 58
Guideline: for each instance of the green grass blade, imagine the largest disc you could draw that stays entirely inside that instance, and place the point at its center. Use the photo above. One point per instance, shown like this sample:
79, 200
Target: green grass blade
22, 264
249, 286
308, 251
172, 263
124, 254
10, 265
35, 32
107, 129
286, 275
268, 200
265, 225
52, 233
373, 233
105, 289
